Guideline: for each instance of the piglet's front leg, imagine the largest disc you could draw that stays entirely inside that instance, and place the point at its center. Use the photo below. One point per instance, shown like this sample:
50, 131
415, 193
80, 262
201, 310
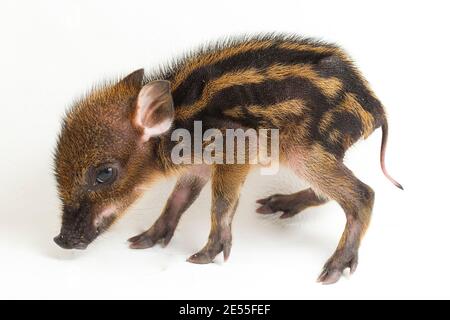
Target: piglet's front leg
186, 190
226, 184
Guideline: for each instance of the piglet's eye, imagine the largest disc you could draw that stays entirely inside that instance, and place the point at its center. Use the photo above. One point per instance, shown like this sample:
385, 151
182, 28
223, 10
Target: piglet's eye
105, 175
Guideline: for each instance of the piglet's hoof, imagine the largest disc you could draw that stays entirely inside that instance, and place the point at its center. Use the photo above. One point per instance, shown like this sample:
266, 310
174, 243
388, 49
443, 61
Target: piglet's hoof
141, 242
335, 266
200, 258
207, 254
278, 203
151, 237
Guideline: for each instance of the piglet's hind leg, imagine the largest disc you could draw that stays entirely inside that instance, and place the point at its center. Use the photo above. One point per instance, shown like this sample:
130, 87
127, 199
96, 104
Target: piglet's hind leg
356, 199
331, 177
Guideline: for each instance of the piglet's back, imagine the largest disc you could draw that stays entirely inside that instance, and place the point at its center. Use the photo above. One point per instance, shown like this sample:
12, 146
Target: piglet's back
277, 81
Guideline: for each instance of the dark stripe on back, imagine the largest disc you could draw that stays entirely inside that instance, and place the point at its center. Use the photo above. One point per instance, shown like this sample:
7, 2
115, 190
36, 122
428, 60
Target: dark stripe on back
191, 88
269, 93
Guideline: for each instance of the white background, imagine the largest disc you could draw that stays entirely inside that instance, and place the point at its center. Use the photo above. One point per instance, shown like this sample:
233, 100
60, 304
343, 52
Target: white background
52, 51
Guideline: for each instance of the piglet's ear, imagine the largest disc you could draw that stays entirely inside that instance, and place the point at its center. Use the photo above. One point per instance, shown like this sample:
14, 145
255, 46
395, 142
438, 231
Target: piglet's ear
154, 111
134, 79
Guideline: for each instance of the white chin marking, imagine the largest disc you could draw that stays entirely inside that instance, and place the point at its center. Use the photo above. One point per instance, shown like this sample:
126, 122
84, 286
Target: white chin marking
105, 213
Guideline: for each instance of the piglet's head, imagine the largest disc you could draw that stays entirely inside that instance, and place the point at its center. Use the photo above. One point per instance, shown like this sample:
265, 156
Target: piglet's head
106, 152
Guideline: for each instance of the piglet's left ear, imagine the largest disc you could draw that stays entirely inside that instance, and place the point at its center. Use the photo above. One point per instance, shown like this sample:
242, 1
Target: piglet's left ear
154, 112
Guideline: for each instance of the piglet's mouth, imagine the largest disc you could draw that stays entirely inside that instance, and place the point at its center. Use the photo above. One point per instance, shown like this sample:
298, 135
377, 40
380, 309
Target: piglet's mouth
67, 243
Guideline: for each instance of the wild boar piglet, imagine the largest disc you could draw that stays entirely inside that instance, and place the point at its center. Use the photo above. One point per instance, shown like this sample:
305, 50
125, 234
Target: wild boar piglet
118, 138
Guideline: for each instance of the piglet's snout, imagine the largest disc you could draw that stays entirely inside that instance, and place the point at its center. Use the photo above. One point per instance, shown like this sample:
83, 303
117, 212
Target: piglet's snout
68, 243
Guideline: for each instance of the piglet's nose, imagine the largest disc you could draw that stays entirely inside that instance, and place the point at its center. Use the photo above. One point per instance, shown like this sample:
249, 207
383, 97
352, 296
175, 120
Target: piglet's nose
66, 243
61, 241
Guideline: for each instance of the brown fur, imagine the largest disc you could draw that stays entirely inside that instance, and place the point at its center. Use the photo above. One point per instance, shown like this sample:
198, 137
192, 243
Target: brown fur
215, 56
330, 86
309, 90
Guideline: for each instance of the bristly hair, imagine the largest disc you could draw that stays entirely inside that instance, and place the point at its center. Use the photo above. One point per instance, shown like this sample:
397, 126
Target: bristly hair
169, 69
